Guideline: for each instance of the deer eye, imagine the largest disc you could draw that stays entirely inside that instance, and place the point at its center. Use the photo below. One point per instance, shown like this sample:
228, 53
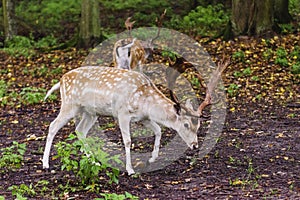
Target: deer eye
186, 125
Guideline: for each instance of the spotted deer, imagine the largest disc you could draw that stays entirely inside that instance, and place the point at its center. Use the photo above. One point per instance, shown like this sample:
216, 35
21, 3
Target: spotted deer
136, 51
127, 95
129, 53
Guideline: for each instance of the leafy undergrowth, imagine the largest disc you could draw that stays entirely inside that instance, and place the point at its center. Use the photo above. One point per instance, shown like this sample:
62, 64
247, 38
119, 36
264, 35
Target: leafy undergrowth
257, 155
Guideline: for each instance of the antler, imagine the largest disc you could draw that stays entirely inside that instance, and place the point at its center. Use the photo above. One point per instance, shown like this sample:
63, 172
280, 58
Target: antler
159, 24
128, 25
216, 75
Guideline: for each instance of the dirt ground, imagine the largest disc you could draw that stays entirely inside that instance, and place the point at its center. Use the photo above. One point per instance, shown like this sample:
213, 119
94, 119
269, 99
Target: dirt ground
256, 156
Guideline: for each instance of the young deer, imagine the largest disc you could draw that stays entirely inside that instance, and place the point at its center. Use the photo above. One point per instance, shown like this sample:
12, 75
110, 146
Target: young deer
127, 95
138, 50
129, 54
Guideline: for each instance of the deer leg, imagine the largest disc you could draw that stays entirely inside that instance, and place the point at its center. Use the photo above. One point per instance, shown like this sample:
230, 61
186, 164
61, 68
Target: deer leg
65, 114
85, 124
157, 132
124, 123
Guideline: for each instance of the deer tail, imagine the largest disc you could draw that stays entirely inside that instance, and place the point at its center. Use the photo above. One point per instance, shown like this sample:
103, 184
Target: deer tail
55, 87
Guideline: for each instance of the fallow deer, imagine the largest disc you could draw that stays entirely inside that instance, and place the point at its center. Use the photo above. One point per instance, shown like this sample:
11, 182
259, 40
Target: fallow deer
127, 95
139, 50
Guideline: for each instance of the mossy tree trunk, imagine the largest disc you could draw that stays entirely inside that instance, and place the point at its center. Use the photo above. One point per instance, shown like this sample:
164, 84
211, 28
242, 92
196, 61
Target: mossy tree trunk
257, 17
252, 17
89, 30
281, 11
9, 24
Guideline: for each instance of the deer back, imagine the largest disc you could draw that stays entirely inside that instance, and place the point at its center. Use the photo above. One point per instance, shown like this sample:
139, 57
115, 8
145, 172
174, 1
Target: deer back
102, 89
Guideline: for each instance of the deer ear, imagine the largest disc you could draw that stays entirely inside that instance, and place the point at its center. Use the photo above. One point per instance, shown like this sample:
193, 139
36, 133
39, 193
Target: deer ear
177, 108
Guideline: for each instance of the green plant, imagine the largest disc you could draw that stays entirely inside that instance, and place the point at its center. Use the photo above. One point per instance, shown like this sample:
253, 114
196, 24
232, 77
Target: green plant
258, 97
3, 88
19, 42
57, 71
46, 42
107, 126
114, 196
294, 8
12, 157
66, 188
42, 72
281, 57
231, 159
286, 28
8, 97
267, 54
247, 71
281, 52
238, 182
282, 61
295, 68
32, 95
42, 186
23, 189
19, 46
195, 82
239, 56
250, 168
49, 16
205, 21
237, 74
87, 168
166, 53
233, 89
255, 78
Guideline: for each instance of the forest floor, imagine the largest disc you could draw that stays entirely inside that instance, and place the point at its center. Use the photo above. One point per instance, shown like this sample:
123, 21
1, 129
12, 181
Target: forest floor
256, 157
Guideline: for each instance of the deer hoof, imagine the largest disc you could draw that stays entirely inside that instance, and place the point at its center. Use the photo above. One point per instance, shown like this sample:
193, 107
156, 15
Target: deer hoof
151, 160
130, 172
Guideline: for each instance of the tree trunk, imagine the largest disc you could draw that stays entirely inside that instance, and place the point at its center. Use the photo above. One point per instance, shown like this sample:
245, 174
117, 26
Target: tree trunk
252, 17
8, 19
89, 33
281, 11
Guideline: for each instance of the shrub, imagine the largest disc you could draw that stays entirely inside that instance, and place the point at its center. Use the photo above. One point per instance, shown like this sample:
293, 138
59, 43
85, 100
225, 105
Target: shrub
32, 95
19, 46
12, 157
294, 8
49, 16
205, 21
87, 168
24, 46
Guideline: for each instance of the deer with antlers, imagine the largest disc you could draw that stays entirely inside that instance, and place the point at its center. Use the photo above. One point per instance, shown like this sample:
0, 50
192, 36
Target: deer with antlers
129, 96
131, 51
125, 94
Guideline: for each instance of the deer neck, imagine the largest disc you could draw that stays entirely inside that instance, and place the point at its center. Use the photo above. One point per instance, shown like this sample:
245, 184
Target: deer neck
159, 108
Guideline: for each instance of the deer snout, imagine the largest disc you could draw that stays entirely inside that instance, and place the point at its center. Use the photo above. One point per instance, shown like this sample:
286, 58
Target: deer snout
194, 145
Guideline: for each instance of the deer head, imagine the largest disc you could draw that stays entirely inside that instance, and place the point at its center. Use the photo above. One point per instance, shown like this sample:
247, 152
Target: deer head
139, 51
